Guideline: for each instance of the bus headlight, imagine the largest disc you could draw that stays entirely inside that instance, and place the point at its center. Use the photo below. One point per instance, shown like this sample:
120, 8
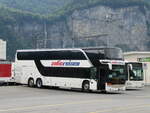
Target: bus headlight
129, 83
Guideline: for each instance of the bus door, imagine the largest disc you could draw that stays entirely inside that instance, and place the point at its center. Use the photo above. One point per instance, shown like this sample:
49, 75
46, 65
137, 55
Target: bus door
102, 78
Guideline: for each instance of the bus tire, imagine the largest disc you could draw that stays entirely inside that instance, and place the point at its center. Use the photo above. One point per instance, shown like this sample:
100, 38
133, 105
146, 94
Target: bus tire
86, 86
39, 83
30, 82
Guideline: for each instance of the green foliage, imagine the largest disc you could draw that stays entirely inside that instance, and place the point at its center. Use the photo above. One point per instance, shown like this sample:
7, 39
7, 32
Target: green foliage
8, 19
9, 15
59, 9
36, 6
20, 11
83, 4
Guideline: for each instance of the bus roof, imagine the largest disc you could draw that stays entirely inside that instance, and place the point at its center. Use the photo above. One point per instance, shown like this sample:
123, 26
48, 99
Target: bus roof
31, 50
59, 49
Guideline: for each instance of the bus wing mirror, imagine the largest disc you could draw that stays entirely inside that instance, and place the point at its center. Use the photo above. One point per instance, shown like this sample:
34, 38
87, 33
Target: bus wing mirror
110, 66
130, 66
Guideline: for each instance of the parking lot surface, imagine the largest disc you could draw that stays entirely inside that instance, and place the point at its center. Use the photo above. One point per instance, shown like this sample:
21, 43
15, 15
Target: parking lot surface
22, 99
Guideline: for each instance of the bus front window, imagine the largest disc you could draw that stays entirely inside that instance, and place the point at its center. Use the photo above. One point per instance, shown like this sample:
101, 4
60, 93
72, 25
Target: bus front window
136, 74
117, 75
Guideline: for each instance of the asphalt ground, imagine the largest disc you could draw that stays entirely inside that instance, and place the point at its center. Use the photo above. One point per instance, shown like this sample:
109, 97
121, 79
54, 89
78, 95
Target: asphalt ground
22, 99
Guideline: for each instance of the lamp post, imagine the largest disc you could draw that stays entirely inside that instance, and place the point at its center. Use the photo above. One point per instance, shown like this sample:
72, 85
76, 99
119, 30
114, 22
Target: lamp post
73, 37
110, 18
45, 34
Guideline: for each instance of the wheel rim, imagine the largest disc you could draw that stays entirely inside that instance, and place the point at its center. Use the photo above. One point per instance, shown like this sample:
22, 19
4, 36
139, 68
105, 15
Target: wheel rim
86, 86
39, 83
31, 82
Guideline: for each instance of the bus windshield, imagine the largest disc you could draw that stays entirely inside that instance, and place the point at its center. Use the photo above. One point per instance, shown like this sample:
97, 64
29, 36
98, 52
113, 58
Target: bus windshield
104, 53
113, 53
136, 73
117, 75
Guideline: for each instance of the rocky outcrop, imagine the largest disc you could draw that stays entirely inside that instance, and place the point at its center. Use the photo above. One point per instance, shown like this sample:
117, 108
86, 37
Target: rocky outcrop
96, 26
102, 26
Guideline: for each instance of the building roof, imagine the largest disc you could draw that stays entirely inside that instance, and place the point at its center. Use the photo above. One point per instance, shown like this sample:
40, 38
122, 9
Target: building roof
137, 53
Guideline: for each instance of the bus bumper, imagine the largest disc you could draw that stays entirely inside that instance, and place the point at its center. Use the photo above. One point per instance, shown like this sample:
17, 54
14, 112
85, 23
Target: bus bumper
134, 84
115, 88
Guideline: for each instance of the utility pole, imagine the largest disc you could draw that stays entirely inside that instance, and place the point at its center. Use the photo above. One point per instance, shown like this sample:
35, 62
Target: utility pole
73, 37
45, 34
110, 18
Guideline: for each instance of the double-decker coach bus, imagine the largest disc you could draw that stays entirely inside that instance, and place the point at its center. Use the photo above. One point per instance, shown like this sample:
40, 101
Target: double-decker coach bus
135, 77
86, 68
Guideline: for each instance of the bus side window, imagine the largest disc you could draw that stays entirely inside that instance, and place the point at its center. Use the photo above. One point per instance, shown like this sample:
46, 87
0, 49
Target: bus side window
93, 73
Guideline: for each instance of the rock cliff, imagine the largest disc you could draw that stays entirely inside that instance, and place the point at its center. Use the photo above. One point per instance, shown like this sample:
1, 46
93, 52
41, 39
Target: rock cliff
100, 25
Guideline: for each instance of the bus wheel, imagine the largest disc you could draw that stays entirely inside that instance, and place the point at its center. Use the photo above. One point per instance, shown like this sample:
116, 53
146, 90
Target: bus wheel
39, 83
31, 82
86, 86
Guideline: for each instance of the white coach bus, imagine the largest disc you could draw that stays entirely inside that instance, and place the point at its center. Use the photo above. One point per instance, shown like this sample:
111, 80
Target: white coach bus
135, 76
86, 68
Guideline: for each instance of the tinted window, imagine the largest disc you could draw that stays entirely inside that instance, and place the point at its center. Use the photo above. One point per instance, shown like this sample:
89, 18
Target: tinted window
51, 55
113, 53
66, 72
104, 53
